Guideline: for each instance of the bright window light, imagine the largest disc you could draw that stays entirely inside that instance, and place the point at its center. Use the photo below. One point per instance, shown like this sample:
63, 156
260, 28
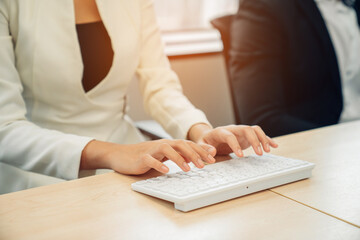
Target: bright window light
184, 15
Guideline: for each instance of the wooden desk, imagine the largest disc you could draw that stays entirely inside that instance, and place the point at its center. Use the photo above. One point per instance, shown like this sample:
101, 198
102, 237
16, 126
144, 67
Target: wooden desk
335, 185
104, 206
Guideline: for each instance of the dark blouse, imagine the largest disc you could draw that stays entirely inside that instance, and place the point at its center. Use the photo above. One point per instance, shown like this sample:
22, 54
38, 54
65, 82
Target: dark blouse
97, 53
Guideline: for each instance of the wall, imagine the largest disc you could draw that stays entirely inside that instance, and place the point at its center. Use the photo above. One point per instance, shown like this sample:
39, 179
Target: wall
204, 82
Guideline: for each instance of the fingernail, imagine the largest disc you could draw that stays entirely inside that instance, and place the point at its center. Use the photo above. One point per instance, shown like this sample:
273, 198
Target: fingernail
186, 166
211, 158
164, 169
259, 149
267, 147
200, 162
240, 153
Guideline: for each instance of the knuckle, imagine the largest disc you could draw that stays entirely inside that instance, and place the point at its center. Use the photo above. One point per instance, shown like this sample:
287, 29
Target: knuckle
180, 142
256, 127
164, 146
223, 132
249, 128
161, 141
219, 130
188, 141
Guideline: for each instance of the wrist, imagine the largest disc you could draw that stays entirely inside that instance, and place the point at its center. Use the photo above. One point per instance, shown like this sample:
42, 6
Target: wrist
197, 131
94, 156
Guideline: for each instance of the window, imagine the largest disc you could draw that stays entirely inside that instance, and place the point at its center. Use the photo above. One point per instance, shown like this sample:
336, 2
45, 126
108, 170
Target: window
179, 15
186, 24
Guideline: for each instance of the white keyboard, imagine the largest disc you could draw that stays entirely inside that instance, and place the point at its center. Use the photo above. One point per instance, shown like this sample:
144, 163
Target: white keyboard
224, 180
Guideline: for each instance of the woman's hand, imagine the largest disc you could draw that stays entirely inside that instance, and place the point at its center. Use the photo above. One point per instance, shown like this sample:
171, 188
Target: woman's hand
206, 143
232, 138
140, 158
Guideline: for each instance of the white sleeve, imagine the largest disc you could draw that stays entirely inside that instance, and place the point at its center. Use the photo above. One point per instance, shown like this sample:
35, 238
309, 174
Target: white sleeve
160, 87
22, 143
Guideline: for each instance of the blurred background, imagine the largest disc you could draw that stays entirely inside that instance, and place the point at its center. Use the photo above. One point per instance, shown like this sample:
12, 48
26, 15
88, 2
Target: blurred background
179, 15
194, 49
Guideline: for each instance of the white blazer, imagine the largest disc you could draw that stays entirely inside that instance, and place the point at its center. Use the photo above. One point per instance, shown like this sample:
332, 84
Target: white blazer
46, 118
